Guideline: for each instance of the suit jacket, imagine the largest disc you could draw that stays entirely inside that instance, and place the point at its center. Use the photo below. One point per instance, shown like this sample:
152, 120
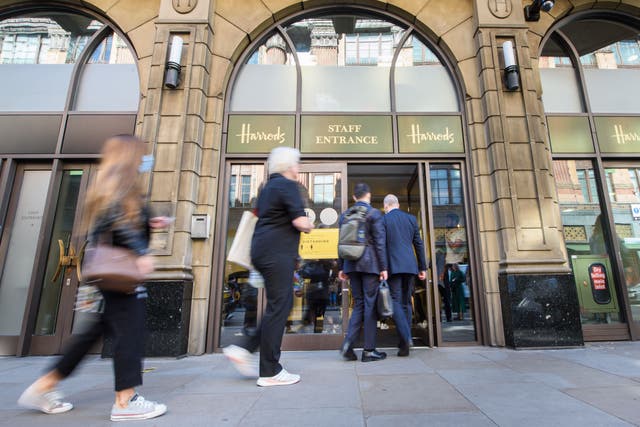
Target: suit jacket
404, 243
374, 258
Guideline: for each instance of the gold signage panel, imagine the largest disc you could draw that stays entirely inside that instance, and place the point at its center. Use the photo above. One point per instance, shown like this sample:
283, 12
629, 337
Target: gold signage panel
430, 134
346, 134
260, 134
570, 134
618, 134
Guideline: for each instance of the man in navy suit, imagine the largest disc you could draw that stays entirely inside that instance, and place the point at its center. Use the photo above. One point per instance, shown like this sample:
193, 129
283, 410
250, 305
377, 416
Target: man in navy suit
364, 276
403, 245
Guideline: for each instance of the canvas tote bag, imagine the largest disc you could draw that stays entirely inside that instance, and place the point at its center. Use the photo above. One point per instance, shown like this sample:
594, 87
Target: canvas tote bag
240, 251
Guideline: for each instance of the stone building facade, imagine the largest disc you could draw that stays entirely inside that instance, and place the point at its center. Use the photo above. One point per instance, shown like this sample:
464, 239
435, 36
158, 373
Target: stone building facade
515, 185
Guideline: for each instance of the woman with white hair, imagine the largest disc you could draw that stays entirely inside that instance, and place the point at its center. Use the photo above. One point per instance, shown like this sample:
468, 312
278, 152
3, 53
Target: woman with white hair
274, 249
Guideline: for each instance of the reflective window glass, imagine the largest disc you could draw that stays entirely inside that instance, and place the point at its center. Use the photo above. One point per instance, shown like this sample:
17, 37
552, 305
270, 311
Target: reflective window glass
611, 61
342, 57
109, 80
586, 241
239, 299
37, 53
57, 38
560, 86
422, 83
455, 284
622, 184
267, 81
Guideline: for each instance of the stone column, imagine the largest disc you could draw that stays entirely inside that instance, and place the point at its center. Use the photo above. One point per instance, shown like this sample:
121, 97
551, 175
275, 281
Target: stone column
526, 274
184, 179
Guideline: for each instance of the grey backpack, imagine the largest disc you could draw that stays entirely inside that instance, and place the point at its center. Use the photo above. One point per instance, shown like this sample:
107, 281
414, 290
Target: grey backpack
352, 239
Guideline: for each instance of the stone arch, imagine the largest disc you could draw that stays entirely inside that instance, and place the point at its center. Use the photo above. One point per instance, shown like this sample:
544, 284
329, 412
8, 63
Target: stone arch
243, 23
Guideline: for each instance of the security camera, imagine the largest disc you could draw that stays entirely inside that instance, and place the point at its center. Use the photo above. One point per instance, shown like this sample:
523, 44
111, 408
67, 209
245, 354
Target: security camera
547, 5
532, 12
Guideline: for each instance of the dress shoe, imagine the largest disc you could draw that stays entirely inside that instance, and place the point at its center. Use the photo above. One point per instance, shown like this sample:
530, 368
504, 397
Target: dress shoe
373, 356
347, 352
403, 349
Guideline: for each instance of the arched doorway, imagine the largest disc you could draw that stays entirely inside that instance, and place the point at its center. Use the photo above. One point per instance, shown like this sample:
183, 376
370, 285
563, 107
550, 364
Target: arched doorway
74, 82
590, 72
364, 96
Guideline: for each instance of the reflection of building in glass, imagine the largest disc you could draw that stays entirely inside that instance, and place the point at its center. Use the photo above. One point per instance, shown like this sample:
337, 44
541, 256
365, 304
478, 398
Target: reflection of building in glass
344, 42
244, 185
59, 41
623, 54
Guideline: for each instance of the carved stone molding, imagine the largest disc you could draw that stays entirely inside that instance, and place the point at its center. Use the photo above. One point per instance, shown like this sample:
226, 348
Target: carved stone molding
499, 8
184, 6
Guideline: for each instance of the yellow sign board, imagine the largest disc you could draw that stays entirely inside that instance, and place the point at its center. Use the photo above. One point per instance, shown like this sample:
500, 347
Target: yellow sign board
321, 243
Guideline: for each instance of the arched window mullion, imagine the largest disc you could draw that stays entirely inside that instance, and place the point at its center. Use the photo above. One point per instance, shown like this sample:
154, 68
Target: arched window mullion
392, 73
80, 64
574, 56
294, 53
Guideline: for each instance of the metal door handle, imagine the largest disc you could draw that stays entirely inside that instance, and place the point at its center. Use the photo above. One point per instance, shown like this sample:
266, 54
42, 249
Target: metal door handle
69, 260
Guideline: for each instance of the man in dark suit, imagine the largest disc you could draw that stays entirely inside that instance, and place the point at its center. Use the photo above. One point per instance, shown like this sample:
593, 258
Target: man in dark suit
403, 245
364, 276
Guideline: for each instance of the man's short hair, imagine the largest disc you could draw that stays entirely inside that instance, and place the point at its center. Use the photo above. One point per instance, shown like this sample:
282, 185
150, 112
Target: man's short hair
391, 200
360, 190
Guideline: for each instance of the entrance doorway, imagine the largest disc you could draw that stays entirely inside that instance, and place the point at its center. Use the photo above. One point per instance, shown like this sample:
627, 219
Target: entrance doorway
55, 319
444, 311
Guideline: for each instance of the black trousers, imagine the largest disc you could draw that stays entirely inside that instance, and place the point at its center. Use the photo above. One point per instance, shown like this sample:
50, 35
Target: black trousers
364, 290
123, 321
401, 286
277, 271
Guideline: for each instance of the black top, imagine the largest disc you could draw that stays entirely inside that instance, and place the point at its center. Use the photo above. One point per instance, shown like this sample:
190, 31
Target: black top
279, 203
110, 227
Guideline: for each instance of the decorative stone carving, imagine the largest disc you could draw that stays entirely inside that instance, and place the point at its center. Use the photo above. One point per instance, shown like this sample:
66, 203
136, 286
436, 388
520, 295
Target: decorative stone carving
184, 6
499, 8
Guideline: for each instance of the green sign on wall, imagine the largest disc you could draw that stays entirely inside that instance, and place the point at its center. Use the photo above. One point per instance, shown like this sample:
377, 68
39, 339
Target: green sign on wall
618, 134
430, 134
569, 134
346, 134
260, 134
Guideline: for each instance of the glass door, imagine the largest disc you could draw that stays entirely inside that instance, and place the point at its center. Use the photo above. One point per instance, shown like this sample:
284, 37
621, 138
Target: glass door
455, 312
18, 249
318, 318
623, 189
55, 318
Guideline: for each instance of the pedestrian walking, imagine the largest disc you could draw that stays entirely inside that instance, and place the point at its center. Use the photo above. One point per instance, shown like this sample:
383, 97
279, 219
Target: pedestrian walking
403, 245
274, 250
116, 213
364, 275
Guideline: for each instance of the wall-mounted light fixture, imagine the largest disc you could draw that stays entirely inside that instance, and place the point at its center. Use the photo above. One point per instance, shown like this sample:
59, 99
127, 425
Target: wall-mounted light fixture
510, 66
172, 74
532, 12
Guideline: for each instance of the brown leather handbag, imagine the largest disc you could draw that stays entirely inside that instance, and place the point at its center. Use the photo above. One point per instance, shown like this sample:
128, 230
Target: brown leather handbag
111, 268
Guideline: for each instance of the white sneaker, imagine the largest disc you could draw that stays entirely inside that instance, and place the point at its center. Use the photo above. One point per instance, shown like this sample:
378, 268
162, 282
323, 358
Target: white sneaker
245, 362
138, 409
282, 378
49, 402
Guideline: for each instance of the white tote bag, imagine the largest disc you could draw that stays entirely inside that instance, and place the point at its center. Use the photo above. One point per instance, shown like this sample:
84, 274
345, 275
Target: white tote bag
240, 251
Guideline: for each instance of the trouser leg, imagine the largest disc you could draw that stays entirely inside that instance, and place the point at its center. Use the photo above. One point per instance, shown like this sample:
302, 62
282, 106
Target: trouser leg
370, 285
407, 293
278, 276
78, 346
125, 316
357, 314
399, 316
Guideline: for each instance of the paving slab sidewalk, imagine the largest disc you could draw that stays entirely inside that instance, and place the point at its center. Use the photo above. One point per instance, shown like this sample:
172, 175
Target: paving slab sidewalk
598, 385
